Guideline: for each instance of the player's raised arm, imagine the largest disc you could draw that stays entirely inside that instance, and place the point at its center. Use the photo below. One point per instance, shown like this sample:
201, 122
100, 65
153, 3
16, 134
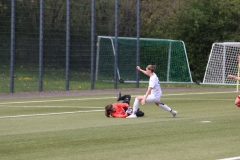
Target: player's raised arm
141, 70
234, 77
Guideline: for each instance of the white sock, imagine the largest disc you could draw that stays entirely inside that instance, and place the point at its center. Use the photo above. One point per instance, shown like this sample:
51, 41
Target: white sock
165, 107
135, 106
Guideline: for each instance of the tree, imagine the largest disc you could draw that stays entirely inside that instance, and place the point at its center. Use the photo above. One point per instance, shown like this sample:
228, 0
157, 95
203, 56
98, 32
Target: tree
158, 18
203, 23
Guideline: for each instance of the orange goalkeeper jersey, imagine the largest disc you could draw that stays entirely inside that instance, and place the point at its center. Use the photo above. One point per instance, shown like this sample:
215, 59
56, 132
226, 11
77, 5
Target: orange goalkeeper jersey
120, 112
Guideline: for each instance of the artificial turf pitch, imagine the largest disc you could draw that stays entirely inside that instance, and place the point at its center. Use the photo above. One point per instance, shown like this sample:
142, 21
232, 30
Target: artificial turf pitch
75, 127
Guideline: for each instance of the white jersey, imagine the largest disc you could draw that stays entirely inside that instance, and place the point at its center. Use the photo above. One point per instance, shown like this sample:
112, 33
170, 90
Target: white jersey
155, 85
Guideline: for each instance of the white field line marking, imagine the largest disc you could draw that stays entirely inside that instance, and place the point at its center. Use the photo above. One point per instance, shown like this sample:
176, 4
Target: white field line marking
78, 99
51, 107
188, 99
198, 93
181, 99
205, 121
59, 100
231, 158
47, 114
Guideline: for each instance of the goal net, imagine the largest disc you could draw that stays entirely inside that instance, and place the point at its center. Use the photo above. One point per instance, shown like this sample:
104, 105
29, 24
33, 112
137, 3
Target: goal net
223, 60
169, 56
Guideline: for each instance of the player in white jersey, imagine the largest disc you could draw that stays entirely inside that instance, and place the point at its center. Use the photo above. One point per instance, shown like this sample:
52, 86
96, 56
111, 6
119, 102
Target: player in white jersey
153, 93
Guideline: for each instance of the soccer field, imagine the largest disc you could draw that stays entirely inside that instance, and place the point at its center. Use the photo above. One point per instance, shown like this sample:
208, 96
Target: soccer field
75, 127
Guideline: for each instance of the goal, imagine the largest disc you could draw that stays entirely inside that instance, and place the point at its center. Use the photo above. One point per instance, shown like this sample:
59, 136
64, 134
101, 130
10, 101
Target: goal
223, 60
169, 56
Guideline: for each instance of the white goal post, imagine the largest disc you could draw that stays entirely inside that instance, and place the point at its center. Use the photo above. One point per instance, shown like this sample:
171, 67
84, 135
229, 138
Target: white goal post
223, 60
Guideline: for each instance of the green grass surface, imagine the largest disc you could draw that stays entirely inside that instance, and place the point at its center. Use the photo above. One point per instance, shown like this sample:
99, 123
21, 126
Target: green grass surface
206, 127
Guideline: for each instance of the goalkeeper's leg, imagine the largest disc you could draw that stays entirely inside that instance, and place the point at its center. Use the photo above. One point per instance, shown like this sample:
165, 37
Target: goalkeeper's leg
125, 98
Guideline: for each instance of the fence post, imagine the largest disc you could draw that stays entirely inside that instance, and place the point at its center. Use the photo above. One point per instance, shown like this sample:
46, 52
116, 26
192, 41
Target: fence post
67, 43
40, 87
92, 44
116, 45
138, 43
12, 46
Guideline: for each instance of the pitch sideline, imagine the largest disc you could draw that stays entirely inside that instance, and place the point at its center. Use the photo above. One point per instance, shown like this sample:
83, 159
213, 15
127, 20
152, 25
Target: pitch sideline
47, 114
77, 99
231, 158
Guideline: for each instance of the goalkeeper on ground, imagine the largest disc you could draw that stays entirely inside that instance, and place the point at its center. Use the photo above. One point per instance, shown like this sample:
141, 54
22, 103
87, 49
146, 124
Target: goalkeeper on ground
121, 110
237, 101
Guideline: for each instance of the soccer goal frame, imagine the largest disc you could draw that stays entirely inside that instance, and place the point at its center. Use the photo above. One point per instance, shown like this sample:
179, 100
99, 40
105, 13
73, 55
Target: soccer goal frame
161, 51
223, 60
